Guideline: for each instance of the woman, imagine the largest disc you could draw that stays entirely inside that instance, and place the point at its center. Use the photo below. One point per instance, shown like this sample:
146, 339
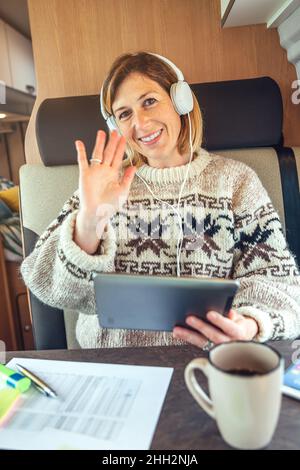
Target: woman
122, 219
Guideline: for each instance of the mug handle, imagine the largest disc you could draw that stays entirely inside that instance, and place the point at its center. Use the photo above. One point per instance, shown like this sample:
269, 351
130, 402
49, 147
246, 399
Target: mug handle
195, 389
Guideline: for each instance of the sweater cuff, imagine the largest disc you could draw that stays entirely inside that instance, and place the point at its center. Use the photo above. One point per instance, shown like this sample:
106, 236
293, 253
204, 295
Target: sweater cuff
263, 319
79, 257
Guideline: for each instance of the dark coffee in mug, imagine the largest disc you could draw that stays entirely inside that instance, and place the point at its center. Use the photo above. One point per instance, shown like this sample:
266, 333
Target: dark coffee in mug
245, 372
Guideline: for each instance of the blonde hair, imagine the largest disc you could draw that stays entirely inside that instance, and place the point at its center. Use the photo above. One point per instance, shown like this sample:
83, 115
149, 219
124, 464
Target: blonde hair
157, 70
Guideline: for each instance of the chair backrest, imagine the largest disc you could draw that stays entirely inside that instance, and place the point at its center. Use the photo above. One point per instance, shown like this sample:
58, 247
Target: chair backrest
43, 191
242, 120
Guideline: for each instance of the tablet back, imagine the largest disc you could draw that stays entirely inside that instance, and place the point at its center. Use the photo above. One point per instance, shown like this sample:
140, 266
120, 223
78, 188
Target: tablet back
158, 303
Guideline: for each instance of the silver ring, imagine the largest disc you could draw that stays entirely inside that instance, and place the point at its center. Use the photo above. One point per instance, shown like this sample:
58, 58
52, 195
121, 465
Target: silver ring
95, 160
208, 346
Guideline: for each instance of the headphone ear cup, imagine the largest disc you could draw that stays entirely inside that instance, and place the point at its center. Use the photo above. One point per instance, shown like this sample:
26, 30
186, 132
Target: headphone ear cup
182, 97
112, 125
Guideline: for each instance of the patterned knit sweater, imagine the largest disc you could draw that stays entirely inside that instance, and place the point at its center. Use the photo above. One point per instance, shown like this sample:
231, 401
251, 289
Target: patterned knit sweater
231, 230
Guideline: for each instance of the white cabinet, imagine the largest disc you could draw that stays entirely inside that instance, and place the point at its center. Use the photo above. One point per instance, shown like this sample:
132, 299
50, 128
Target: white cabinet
248, 12
5, 73
16, 59
21, 60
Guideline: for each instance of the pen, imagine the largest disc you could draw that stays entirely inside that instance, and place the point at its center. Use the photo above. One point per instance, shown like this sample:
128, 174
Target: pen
13, 379
39, 383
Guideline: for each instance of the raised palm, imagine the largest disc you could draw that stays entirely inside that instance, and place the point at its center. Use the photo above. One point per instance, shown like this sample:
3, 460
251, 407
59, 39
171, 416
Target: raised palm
101, 186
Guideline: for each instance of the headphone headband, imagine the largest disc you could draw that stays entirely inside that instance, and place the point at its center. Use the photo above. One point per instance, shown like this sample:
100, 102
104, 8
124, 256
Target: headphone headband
171, 64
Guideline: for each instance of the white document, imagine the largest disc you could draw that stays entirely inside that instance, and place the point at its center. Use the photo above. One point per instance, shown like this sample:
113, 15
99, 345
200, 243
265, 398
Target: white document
99, 406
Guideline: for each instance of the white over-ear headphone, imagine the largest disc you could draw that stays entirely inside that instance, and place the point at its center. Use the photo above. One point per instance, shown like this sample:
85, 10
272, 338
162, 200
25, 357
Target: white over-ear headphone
180, 93
182, 99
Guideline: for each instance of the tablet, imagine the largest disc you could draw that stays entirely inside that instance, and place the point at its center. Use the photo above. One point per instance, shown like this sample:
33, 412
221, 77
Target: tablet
158, 303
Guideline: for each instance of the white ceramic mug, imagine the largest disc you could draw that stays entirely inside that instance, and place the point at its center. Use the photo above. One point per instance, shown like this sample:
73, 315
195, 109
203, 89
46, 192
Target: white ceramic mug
245, 407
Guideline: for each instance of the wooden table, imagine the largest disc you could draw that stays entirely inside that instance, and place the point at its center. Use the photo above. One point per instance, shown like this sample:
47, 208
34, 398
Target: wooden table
183, 425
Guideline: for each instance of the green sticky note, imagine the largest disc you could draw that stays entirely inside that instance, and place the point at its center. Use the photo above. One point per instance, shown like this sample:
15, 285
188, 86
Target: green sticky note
8, 398
14, 379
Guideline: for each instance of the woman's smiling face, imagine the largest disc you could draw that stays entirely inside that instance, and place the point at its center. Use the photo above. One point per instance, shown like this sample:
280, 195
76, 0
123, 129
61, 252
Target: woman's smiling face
148, 120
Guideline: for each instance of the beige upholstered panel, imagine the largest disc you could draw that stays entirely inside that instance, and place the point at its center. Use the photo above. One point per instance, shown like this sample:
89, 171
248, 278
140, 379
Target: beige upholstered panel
43, 193
265, 163
71, 317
